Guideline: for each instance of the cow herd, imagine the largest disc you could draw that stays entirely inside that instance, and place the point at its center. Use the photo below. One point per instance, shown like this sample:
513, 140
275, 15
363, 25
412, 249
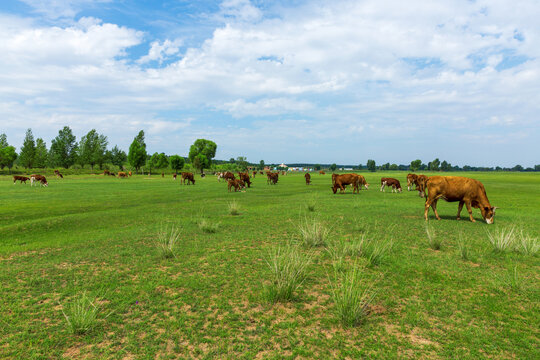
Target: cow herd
466, 191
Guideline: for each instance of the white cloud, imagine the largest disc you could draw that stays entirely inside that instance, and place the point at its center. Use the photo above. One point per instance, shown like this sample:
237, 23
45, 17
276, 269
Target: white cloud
160, 51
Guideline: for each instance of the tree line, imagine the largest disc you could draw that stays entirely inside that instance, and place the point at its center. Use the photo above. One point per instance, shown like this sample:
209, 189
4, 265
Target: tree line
65, 151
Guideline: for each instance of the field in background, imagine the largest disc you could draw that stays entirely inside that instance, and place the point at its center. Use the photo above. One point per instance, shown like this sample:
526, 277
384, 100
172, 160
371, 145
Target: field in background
96, 234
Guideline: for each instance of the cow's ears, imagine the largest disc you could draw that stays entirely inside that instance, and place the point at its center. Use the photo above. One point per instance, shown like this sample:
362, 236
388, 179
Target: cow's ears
494, 208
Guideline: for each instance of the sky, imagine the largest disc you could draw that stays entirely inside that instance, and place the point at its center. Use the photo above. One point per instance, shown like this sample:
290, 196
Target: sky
282, 81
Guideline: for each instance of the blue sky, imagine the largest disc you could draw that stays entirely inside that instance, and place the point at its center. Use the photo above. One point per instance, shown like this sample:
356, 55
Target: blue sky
283, 81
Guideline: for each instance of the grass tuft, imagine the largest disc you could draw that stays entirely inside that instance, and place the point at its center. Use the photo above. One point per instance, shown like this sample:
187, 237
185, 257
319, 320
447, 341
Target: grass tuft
434, 242
463, 249
512, 280
502, 239
375, 252
81, 315
527, 244
314, 233
167, 241
287, 266
207, 226
351, 296
234, 208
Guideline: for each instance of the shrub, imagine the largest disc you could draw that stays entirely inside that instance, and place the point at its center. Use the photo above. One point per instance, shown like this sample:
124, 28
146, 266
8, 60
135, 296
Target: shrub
314, 233
81, 314
234, 208
207, 226
433, 241
526, 244
351, 296
287, 270
502, 239
166, 241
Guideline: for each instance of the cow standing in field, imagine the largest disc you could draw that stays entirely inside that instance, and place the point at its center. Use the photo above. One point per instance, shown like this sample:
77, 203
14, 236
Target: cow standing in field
272, 178
467, 191
106, 172
122, 174
308, 178
341, 181
421, 181
394, 183
411, 180
227, 175
245, 178
238, 184
321, 172
189, 177
362, 182
129, 173
38, 178
174, 176
254, 173
58, 175
22, 179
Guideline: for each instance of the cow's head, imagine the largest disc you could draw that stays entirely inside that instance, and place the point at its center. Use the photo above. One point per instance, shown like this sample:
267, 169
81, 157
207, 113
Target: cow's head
44, 183
366, 185
400, 189
488, 213
334, 188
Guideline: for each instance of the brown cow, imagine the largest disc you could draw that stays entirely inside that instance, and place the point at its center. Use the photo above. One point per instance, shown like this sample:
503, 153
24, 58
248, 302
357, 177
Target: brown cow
174, 176
122, 174
106, 172
189, 177
394, 183
362, 182
236, 183
245, 178
321, 172
467, 191
57, 173
308, 178
162, 175
129, 173
340, 181
254, 173
22, 179
411, 180
227, 175
261, 172
272, 178
421, 181
40, 178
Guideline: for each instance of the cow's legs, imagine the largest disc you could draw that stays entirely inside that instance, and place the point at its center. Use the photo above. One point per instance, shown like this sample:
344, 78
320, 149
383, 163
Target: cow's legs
434, 207
460, 206
468, 204
382, 186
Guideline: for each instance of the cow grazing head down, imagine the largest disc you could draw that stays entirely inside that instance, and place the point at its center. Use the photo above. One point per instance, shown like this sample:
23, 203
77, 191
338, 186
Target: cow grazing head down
488, 213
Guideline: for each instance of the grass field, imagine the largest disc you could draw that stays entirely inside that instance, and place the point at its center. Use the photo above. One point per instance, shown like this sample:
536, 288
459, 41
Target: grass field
96, 236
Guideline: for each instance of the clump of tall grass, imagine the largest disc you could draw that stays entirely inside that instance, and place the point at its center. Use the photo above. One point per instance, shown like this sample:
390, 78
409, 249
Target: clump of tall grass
502, 240
375, 251
208, 226
81, 314
337, 250
512, 280
434, 242
167, 241
527, 244
311, 204
352, 297
234, 208
287, 266
462, 248
313, 233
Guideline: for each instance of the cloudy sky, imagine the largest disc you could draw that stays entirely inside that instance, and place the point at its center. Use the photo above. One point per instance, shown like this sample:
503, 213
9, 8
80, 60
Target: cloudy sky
292, 81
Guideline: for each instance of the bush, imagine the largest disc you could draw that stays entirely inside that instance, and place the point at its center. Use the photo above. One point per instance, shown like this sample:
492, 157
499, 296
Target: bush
207, 226
81, 315
287, 270
526, 244
351, 297
314, 233
166, 241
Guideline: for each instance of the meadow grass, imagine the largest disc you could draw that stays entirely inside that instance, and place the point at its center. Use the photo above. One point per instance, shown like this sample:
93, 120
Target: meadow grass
98, 234
167, 241
81, 314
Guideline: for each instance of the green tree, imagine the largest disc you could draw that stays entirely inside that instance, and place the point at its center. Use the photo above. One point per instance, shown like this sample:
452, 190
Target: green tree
333, 167
201, 153
242, 162
40, 158
8, 155
3, 141
434, 165
177, 162
159, 161
446, 166
28, 150
393, 167
92, 149
232, 161
385, 166
117, 157
137, 152
317, 167
415, 165
371, 165
64, 148
261, 165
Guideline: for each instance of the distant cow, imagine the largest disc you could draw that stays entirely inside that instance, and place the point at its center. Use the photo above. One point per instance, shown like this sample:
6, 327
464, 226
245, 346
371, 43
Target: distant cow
174, 176
189, 177
22, 179
38, 178
162, 175
272, 178
238, 184
122, 174
411, 180
321, 172
106, 172
261, 172
467, 191
203, 175
129, 173
394, 183
245, 178
227, 175
254, 173
421, 181
57, 173
308, 178
340, 181
362, 181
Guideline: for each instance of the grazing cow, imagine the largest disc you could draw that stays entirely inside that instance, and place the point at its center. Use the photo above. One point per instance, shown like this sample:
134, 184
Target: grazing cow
174, 176
308, 178
57, 173
411, 180
467, 191
340, 181
40, 178
122, 174
203, 175
421, 181
189, 177
162, 175
261, 172
106, 172
245, 178
254, 173
272, 178
227, 175
394, 183
362, 182
238, 184
129, 173
321, 172
22, 179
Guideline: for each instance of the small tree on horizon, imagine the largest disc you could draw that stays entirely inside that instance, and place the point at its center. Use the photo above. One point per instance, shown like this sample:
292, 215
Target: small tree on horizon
317, 167
64, 149
137, 152
201, 153
41, 155
371, 165
28, 150
415, 165
333, 167
177, 162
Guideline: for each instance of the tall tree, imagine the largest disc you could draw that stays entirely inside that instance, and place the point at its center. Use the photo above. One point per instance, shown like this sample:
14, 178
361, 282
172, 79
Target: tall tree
446, 166
333, 167
117, 157
64, 148
201, 153
177, 162
3, 141
92, 149
137, 152
371, 165
415, 165
261, 164
40, 158
434, 165
8, 155
317, 167
28, 150
242, 163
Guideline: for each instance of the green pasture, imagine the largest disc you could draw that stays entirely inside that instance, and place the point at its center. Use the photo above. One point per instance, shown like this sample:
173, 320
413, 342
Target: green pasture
96, 235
